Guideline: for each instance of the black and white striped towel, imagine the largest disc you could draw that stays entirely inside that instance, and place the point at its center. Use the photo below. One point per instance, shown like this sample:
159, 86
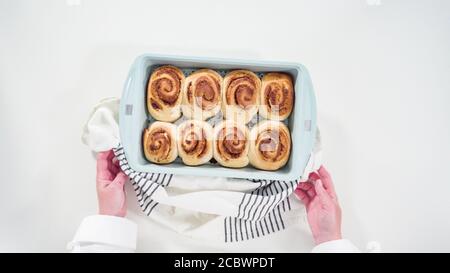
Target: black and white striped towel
212, 208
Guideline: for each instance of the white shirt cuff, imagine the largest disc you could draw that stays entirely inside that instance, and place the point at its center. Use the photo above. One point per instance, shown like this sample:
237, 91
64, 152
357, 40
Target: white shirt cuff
107, 230
336, 246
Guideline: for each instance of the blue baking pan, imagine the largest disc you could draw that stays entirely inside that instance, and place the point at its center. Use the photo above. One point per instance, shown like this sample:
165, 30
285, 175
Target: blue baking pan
133, 116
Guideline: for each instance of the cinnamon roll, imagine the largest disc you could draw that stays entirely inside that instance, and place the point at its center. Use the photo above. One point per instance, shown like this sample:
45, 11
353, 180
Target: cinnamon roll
240, 95
164, 93
160, 145
194, 140
277, 96
201, 94
231, 144
270, 145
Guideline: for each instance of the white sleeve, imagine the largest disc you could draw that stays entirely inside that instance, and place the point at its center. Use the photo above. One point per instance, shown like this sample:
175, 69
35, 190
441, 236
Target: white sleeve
336, 246
103, 233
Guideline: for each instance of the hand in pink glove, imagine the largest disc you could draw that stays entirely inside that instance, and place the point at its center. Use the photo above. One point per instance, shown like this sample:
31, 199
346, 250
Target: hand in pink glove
322, 207
110, 185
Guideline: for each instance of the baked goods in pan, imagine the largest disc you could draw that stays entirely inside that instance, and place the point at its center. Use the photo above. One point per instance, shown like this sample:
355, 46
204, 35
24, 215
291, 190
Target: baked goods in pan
270, 145
164, 93
240, 95
195, 142
277, 96
202, 94
160, 145
231, 144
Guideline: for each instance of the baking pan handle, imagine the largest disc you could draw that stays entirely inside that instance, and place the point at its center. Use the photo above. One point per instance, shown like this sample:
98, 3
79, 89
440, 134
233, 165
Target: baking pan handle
127, 109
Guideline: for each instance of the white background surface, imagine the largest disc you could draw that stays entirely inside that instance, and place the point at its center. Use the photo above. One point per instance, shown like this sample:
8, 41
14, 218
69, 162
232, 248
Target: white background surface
381, 71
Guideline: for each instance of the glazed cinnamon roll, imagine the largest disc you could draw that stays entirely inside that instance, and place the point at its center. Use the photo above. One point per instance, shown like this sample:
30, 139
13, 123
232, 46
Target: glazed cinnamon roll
201, 94
231, 144
194, 140
160, 145
270, 145
240, 95
164, 93
277, 96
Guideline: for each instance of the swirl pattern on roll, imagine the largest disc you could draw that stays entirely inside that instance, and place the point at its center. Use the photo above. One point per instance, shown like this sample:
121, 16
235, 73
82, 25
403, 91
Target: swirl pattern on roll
195, 142
231, 144
277, 96
164, 93
159, 141
240, 95
202, 94
270, 145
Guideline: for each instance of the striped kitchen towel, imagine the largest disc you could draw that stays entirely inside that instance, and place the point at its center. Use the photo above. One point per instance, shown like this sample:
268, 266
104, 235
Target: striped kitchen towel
211, 208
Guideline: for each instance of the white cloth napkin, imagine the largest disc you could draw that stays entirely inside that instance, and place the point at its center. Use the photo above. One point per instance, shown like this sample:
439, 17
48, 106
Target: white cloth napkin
101, 131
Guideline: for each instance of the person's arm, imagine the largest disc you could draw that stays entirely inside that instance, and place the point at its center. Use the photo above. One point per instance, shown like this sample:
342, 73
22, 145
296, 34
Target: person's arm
323, 213
336, 246
108, 231
104, 233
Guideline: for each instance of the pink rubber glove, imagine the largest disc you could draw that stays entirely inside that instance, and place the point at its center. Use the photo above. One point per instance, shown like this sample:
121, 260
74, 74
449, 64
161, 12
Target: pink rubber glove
322, 207
110, 185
